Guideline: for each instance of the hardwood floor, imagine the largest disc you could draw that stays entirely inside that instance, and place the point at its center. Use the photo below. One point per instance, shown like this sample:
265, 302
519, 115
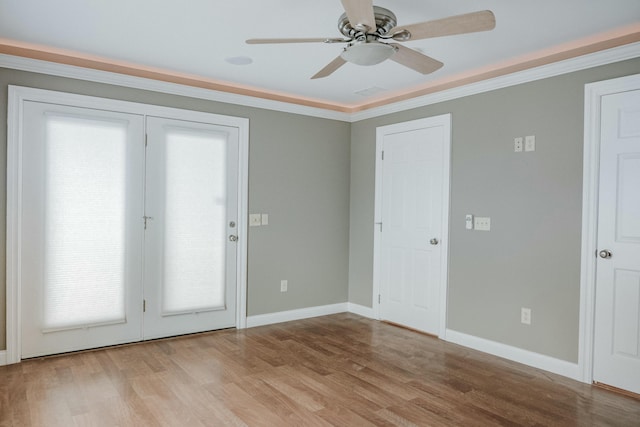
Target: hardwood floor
334, 370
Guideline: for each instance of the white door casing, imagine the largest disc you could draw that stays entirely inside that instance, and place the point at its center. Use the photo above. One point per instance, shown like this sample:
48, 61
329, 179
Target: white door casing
592, 266
411, 230
18, 97
617, 310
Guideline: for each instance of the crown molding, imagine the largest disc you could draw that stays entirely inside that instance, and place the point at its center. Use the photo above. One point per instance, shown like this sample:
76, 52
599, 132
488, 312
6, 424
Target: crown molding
577, 63
596, 59
125, 80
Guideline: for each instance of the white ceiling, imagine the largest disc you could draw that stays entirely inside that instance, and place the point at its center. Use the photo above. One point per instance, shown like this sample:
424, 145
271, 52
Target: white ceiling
196, 36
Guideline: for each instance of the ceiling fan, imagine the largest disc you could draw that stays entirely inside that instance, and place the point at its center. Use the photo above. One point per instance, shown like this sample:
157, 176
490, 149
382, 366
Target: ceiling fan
368, 28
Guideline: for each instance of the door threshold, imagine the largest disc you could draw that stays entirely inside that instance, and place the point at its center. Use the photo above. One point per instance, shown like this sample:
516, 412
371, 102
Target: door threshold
616, 390
124, 344
410, 329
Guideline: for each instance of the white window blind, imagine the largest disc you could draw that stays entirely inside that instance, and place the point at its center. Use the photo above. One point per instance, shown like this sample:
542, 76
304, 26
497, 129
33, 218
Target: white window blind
84, 222
195, 221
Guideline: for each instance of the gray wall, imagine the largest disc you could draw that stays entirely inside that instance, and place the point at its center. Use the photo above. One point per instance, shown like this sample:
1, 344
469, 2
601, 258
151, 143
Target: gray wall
319, 193
531, 256
298, 174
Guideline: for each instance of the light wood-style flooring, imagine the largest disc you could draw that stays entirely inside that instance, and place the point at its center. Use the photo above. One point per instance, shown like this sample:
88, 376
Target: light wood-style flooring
335, 370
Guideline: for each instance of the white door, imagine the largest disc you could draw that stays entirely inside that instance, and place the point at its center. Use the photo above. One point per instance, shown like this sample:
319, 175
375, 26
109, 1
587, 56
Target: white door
82, 189
414, 195
191, 226
617, 312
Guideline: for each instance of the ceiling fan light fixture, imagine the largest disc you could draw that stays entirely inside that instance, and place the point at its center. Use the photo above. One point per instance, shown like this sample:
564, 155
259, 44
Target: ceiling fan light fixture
367, 53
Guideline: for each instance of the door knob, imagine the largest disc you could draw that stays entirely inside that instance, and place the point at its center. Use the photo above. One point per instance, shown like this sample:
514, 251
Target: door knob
233, 238
434, 241
605, 253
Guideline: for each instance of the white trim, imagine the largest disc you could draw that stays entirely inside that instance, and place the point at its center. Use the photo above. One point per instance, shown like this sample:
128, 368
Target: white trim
17, 96
608, 56
14, 224
443, 120
3, 357
590, 182
529, 358
243, 220
361, 310
289, 315
545, 71
97, 76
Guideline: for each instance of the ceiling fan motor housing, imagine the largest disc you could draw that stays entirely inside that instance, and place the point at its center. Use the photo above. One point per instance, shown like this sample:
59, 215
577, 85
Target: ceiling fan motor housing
365, 49
385, 22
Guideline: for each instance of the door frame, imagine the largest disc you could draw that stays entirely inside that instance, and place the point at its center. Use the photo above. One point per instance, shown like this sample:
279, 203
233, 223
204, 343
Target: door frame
443, 120
590, 182
17, 96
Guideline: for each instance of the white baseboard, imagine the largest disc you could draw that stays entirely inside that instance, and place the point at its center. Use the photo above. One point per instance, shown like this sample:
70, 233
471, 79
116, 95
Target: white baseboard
302, 313
360, 310
3, 357
526, 357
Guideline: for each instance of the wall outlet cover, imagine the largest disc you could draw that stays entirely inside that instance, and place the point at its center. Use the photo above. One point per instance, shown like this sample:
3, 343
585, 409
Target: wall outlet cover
518, 144
468, 222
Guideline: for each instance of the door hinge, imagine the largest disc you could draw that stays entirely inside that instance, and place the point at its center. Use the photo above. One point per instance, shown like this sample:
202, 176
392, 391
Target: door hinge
146, 218
144, 305
146, 139
380, 224
383, 155
379, 299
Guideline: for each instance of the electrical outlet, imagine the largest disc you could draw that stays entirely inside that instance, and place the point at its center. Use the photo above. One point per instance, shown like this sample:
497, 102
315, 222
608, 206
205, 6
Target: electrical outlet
482, 223
517, 144
468, 222
284, 284
525, 315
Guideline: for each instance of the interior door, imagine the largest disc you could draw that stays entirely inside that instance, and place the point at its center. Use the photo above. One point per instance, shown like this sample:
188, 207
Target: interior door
617, 312
412, 225
82, 189
191, 227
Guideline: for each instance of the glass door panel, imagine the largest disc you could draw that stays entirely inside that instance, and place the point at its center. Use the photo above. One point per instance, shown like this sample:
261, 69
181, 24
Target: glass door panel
82, 192
191, 206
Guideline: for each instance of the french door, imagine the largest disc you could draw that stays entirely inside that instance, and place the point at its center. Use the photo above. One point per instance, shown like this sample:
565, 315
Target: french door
191, 223
123, 237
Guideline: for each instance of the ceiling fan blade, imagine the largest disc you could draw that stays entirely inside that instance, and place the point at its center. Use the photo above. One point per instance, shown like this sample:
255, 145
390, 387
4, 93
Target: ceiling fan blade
415, 60
360, 14
300, 40
329, 68
459, 24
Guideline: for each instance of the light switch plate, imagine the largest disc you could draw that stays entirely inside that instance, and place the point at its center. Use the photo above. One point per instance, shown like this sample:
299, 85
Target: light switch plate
255, 220
468, 222
265, 219
482, 223
530, 143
